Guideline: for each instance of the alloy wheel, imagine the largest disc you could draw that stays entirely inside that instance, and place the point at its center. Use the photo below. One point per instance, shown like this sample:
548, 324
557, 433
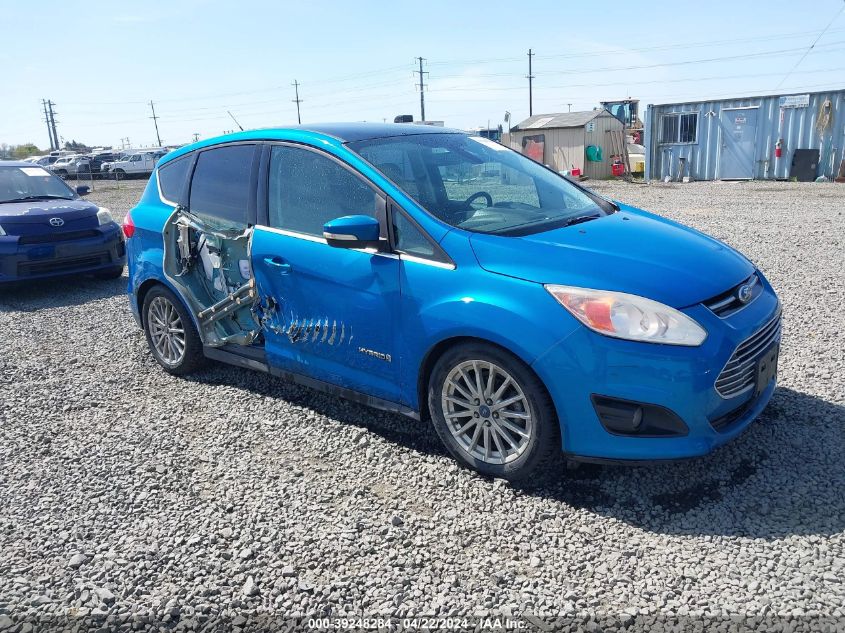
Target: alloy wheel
166, 331
487, 412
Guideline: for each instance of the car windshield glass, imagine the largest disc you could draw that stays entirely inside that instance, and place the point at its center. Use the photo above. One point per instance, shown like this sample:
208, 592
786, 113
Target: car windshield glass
31, 183
479, 185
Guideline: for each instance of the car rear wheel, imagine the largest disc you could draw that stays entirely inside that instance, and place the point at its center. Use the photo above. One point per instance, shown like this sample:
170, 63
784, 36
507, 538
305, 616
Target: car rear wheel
171, 334
492, 412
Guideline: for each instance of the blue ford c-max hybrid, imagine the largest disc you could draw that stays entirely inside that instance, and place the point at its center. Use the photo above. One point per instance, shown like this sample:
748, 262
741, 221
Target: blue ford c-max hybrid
445, 276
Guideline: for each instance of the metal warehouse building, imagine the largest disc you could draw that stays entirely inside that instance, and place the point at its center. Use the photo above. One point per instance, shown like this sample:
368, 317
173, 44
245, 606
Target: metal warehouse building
766, 137
561, 140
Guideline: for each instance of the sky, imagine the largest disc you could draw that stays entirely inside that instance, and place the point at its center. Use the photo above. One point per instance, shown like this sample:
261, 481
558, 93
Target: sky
198, 59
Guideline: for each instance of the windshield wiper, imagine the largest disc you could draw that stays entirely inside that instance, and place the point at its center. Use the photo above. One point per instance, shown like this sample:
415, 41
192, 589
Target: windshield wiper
580, 218
31, 198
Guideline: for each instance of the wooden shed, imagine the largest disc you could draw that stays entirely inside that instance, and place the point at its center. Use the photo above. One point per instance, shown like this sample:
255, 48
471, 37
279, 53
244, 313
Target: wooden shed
561, 140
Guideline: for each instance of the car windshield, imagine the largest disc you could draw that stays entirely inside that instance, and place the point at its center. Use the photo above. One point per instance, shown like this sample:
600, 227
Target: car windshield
479, 185
31, 183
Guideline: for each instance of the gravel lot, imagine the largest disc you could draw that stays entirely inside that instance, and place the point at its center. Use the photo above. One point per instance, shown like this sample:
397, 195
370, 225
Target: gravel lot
128, 496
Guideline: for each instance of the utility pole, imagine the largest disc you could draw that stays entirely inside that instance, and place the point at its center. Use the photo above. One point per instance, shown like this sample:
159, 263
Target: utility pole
569, 105
49, 129
50, 105
196, 137
530, 86
297, 101
422, 88
155, 120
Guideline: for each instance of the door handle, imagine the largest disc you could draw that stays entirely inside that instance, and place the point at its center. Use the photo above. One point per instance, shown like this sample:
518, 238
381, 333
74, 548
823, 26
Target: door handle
278, 263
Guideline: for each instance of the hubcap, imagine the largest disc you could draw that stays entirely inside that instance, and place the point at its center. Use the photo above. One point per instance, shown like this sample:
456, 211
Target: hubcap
166, 331
486, 412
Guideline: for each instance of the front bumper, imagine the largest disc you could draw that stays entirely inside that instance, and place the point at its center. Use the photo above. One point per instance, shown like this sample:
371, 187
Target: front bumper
21, 260
680, 379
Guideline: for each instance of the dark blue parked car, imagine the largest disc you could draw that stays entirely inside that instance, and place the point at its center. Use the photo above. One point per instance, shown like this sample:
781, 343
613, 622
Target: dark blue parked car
47, 229
445, 276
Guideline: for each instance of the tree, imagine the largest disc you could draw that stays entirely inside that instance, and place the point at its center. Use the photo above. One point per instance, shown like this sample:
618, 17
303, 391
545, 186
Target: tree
27, 149
76, 147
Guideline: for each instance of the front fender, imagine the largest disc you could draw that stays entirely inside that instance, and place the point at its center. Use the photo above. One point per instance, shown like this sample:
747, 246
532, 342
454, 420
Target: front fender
439, 304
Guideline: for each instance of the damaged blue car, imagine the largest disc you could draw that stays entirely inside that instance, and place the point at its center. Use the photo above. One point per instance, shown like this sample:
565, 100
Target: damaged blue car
446, 277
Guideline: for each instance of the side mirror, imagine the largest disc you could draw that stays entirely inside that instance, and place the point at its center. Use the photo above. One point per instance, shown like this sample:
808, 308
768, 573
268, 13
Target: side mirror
83, 190
352, 231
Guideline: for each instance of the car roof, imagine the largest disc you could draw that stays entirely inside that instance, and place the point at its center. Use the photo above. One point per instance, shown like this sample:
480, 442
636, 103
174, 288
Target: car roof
351, 132
318, 132
14, 163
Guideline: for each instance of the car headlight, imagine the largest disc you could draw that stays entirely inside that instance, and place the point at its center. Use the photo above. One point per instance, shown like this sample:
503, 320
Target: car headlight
104, 216
628, 317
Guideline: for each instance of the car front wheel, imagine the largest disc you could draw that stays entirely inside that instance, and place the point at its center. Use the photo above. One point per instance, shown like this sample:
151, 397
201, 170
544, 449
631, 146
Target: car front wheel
171, 334
492, 412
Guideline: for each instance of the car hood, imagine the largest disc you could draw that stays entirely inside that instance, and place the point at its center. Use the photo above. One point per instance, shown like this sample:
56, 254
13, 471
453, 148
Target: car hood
629, 251
40, 211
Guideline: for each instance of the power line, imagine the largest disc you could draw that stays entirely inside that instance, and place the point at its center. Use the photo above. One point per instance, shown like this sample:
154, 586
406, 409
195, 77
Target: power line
639, 83
812, 46
688, 62
297, 101
645, 49
155, 121
422, 88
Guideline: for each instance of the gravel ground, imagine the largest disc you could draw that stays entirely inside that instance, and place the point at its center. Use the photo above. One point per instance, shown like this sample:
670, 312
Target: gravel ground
133, 497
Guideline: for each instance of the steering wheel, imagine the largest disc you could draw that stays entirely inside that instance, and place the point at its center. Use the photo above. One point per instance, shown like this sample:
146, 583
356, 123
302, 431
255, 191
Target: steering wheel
481, 194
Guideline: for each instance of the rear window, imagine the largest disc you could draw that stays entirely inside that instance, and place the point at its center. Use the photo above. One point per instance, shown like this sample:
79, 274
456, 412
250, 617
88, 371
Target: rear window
171, 179
221, 183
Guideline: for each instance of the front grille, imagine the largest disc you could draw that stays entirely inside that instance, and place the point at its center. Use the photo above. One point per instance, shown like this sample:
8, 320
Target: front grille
740, 372
728, 303
61, 265
48, 238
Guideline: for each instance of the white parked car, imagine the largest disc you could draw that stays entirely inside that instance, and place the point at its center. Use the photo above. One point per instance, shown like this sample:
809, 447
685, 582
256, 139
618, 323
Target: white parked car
65, 165
141, 163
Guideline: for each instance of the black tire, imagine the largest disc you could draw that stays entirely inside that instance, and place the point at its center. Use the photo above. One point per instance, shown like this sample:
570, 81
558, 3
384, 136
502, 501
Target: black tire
192, 359
110, 273
544, 440
119, 174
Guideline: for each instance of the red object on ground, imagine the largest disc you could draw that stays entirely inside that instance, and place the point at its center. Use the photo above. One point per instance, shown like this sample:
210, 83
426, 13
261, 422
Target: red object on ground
617, 169
575, 171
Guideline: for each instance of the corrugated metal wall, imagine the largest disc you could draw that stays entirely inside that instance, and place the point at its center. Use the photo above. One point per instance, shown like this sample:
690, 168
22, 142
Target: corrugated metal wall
798, 131
600, 136
564, 147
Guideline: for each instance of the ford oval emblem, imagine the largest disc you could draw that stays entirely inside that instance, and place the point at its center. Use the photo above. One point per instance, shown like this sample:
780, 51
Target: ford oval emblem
56, 222
744, 293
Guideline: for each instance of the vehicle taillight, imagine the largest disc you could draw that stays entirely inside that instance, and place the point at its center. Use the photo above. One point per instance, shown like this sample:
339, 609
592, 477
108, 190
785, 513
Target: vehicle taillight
128, 226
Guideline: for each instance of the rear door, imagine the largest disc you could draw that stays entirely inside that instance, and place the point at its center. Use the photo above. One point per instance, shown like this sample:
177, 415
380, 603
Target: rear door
330, 312
739, 134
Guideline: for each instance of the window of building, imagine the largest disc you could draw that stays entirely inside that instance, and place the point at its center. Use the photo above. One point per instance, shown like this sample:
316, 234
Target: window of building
171, 179
679, 128
307, 189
